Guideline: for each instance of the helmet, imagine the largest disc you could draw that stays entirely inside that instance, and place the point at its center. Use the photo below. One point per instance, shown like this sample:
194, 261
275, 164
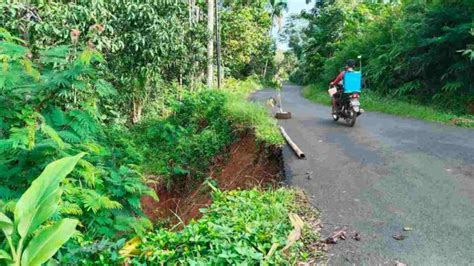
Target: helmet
350, 63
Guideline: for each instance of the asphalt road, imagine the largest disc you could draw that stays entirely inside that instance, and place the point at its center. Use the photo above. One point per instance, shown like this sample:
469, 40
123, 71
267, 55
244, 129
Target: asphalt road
382, 175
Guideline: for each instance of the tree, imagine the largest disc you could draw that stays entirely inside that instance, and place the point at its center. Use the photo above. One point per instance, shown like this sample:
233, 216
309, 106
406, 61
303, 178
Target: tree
276, 10
210, 42
246, 44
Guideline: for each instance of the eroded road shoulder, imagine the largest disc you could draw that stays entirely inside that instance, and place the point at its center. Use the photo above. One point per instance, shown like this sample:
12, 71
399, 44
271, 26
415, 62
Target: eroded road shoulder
382, 175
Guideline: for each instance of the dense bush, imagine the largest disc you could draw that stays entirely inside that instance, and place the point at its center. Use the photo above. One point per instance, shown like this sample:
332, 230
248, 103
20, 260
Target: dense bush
53, 109
200, 126
240, 227
79, 70
183, 144
148, 45
411, 50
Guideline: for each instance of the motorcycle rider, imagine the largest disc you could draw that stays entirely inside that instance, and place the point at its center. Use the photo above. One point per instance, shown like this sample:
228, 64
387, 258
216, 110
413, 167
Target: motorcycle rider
350, 64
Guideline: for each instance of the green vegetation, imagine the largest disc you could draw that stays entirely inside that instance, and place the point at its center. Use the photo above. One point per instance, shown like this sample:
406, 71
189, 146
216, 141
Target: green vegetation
253, 116
29, 242
104, 99
414, 51
199, 127
55, 108
371, 101
250, 115
240, 227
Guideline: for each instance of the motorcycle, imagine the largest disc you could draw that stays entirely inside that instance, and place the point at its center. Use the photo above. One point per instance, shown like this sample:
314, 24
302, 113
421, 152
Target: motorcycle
347, 105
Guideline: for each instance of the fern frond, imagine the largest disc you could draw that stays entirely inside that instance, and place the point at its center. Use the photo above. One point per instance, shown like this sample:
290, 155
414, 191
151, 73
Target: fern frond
88, 172
83, 124
93, 147
69, 136
14, 51
44, 148
51, 133
452, 86
6, 145
94, 201
55, 55
104, 88
134, 202
20, 137
58, 117
151, 193
70, 208
138, 225
30, 70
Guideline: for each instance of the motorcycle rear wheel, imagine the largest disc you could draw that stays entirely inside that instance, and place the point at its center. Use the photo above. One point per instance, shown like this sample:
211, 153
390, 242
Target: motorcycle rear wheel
351, 118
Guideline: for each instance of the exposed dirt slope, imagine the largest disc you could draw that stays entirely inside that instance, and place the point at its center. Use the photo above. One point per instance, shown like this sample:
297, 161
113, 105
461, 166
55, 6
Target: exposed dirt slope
248, 164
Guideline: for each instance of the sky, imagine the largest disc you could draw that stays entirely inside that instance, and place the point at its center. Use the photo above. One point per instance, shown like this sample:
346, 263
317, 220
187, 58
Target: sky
294, 7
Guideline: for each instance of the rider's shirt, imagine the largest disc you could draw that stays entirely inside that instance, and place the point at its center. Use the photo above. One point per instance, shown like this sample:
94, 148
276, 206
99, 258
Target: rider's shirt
339, 78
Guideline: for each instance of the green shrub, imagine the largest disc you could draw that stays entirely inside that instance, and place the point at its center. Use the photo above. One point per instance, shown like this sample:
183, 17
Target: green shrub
200, 126
184, 143
246, 114
53, 109
239, 227
245, 87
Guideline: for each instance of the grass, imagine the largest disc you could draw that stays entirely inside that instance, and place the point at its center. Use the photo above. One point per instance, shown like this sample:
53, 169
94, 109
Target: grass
370, 101
251, 115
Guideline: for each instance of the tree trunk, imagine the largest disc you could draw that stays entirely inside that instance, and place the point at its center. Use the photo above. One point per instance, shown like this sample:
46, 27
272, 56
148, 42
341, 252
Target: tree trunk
137, 108
270, 35
220, 74
210, 42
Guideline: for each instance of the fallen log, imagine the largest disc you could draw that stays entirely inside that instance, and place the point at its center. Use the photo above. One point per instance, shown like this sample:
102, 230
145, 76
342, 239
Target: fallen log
295, 148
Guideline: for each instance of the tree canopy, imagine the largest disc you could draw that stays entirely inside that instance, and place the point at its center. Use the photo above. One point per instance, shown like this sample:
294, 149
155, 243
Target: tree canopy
414, 49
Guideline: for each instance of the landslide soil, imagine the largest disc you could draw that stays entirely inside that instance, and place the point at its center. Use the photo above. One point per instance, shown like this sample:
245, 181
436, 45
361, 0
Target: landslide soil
246, 164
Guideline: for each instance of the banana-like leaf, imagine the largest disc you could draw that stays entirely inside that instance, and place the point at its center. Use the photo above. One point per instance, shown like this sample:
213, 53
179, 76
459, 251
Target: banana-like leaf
40, 201
48, 241
6, 224
48, 206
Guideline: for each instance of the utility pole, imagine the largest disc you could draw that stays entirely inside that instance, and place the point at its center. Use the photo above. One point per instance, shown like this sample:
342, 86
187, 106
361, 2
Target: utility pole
218, 44
210, 42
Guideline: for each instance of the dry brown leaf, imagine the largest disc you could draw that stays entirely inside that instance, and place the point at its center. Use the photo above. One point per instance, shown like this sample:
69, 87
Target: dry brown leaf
295, 234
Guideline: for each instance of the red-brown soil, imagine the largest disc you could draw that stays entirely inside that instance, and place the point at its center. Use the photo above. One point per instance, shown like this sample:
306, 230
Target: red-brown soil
247, 164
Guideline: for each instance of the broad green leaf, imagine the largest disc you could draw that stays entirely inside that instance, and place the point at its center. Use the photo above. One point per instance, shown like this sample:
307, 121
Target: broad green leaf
44, 245
5, 256
48, 207
6, 224
42, 196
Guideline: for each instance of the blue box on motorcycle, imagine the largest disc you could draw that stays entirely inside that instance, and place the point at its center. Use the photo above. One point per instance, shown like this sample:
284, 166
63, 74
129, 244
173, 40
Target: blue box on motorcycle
352, 82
